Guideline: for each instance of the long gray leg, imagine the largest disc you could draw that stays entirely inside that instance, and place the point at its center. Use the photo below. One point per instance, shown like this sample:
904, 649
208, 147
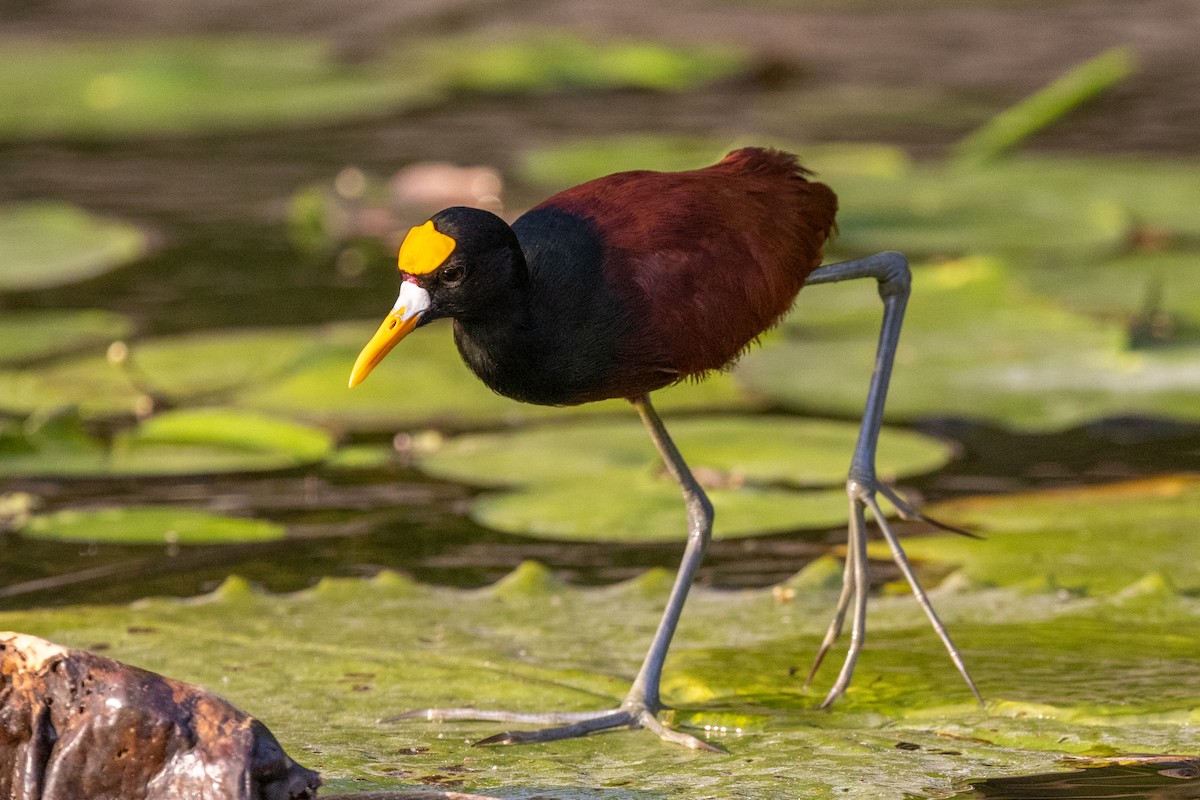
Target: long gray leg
895, 281
700, 521
642, 704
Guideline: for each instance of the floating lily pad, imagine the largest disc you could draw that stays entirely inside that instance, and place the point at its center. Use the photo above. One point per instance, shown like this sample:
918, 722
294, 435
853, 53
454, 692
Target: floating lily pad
51, 244
186, 84
1077, 208
603, 480
557, 61
235, 430
199, 368
1155, 296
175, 443
219, 363
625, 507
974, 345
26, 336
1009, 209
1094, 541
148, 525
90, 384
759, 449
1062, 677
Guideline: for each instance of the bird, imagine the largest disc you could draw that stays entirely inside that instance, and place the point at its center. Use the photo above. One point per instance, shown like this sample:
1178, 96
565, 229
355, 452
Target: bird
629, 283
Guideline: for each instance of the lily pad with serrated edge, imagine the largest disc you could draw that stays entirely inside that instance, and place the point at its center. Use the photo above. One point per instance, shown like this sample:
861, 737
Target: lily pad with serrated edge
1061, 677
1096, 540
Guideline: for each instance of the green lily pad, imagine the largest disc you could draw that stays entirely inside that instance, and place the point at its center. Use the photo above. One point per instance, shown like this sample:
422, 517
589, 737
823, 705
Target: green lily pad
553, 60
1082, 540
176, 443
192, 368
974, 345
1062, 677
603, 480
99, 87
1155, 295
129, 86
1010, 209
759, 449
218, 363
90, 384
1075, 208
625, 507
27, 336
52, 244
234, 429
148, 525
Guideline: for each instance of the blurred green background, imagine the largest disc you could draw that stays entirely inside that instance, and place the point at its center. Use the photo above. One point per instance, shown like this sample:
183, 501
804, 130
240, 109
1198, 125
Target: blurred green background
200, 203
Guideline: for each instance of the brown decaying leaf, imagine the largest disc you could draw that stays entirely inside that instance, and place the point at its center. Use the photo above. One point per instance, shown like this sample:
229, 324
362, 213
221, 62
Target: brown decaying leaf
77, 725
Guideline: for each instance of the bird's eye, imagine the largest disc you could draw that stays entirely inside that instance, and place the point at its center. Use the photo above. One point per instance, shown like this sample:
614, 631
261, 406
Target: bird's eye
452, 274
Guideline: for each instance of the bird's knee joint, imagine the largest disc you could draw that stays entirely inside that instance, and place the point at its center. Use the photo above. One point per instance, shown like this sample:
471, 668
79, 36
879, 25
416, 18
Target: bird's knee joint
858, 487
895, 278
701, 514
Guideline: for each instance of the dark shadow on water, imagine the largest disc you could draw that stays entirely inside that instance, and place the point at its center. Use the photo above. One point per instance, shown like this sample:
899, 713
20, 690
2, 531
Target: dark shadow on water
1159, 778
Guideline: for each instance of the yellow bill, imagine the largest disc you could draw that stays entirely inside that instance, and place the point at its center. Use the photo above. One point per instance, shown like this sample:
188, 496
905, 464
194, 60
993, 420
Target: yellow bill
410, 305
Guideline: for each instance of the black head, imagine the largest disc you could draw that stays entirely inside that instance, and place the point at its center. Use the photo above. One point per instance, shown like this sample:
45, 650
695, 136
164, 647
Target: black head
482, 272
463, 263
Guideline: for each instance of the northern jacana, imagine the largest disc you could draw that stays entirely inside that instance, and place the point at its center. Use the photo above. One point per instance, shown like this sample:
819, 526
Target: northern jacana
624, 285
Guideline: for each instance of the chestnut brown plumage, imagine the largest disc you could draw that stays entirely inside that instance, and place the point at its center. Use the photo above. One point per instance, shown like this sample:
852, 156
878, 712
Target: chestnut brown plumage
702, 261
626, 284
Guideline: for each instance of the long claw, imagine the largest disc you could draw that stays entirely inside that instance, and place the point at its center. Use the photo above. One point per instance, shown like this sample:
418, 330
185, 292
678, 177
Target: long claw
485, 715
907, 512
858, 630
642, 702
618, 719
563, 725
922, 599
651, 723
834, 632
